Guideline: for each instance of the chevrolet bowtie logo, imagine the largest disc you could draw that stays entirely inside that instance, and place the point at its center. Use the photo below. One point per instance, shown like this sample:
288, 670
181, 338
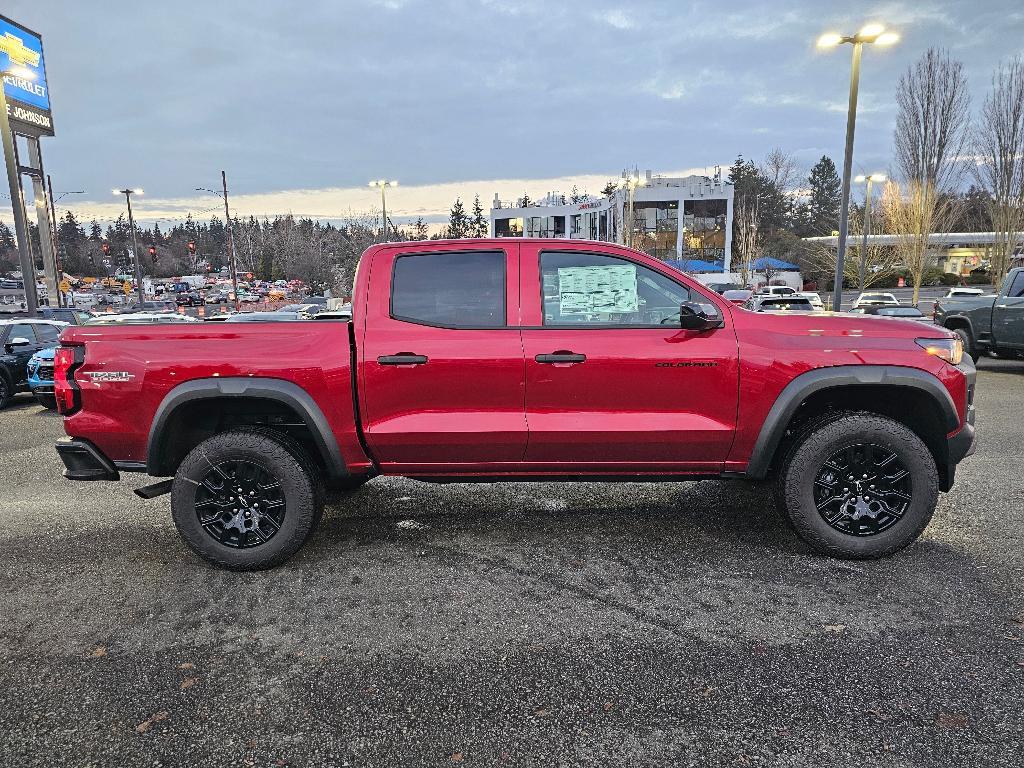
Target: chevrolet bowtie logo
17, 52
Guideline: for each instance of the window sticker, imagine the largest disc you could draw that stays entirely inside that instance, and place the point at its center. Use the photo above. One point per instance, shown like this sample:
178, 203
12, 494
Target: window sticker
597, 289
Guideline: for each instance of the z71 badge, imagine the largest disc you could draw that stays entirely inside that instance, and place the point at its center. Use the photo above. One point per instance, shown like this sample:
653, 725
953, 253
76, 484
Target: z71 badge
109, 376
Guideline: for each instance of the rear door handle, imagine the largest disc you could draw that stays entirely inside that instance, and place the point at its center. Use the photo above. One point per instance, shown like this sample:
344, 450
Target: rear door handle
403, 358
561, 357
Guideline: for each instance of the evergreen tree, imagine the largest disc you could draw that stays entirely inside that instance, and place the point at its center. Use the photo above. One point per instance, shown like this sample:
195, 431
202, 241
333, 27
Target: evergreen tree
95, 231
478, 224
420, 230
820, 214
458, 222
575, 196
609, 188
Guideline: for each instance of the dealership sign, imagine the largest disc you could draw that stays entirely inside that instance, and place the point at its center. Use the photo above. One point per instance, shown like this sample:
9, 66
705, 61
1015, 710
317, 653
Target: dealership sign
28, 95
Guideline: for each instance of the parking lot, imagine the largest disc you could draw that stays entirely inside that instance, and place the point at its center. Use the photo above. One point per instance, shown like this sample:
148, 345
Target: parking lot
539, 624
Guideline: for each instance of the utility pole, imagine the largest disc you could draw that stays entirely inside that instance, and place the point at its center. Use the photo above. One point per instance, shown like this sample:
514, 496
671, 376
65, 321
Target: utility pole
135, 243
230, 242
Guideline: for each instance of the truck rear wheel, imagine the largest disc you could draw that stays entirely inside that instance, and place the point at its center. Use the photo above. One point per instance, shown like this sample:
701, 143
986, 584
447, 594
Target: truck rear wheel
246, 499
860, 486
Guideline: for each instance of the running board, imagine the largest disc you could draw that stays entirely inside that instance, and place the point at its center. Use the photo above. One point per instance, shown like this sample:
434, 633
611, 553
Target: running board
154, 490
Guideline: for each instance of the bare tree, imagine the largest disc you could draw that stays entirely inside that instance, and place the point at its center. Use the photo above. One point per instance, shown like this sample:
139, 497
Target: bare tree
999, 161
782, 169
931, 130
748, 221
880, 261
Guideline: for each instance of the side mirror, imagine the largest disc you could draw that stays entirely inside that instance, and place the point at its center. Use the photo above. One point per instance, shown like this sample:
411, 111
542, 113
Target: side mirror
18, 341
699, 317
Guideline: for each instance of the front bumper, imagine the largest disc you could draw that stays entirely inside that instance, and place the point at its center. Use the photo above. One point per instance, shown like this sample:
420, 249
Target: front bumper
964, 441
84, 461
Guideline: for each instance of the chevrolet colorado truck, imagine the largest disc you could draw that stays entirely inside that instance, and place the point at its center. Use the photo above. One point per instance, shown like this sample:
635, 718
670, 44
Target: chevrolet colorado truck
992, 323
504, 359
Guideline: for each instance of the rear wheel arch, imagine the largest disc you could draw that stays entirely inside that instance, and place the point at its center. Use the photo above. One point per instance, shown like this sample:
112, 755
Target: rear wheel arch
197, 409
910, 396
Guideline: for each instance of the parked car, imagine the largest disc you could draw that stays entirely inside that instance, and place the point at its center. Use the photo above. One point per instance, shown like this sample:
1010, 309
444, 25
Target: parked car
953, 293
40, 377
19, 340
159, 305
992, 323
866, 299
66, 315
776, 290
493, 360
884, 310
248, 298
815, 299
342, 313
217, 297
769, 303
737, 296
188, 299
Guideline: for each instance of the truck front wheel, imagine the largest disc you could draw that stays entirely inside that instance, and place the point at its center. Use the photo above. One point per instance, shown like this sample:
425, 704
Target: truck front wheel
245, 500
970, 348
860, 486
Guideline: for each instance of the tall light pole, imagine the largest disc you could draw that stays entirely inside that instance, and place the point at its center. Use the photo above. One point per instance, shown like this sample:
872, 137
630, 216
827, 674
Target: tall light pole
28, 266
230, 243
631, 183
872, 33
135, 242
871, 177
384, 184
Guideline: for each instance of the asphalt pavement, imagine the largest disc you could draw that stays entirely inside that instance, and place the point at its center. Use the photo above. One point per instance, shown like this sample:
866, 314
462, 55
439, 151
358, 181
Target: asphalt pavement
538, 624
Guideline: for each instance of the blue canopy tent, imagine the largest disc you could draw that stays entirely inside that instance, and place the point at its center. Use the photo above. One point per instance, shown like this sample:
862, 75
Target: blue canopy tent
695, 265
770, 262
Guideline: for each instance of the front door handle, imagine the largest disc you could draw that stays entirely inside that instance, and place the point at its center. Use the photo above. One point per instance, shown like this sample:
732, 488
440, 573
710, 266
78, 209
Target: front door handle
561, 356
403, 358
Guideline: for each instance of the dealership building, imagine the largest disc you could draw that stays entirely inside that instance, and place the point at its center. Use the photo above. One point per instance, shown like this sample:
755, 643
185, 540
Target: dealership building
685, 221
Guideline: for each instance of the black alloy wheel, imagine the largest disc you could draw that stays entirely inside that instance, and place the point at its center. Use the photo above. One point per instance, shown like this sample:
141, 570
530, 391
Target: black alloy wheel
862, 489
240, 503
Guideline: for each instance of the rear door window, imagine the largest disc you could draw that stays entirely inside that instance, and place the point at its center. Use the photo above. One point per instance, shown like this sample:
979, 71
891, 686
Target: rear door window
463, 289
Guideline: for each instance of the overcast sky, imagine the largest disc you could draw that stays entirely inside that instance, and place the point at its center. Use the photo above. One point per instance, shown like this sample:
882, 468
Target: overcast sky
302, 103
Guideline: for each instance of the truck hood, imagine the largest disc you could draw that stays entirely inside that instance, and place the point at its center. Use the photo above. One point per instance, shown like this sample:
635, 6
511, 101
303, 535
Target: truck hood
840, 325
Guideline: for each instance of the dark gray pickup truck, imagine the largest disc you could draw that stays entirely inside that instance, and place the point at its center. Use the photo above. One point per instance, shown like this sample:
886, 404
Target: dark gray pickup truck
988, 323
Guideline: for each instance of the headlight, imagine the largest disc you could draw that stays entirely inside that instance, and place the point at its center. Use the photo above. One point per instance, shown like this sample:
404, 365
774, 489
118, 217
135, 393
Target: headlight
950, 350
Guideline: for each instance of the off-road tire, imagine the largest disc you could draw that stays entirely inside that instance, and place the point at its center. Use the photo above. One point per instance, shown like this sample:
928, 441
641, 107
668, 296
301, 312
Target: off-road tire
273, 452
6, 391
806, 457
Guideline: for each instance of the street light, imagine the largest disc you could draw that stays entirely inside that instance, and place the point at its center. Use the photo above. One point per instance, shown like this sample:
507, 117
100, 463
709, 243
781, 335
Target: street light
384, 184
861, 179
631, 183
230, 244
871, 33
128, 192
28, 267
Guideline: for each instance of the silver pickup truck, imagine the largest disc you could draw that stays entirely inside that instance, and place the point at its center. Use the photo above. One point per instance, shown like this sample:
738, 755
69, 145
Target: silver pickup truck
993, 323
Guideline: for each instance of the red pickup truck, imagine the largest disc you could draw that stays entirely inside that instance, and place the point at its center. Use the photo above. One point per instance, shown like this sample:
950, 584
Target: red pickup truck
504, 359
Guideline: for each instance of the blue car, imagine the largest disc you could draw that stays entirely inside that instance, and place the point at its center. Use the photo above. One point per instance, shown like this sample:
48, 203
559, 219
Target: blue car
40, 378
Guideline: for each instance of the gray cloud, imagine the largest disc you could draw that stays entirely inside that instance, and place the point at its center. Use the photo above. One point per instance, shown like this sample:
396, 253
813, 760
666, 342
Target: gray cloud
329, 94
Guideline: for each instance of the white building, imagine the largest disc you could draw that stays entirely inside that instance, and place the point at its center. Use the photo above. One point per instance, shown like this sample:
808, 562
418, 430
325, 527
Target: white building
685, 221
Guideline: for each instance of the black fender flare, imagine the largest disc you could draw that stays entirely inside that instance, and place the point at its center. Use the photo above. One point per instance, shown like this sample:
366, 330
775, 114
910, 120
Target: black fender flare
279, 390
966, 319
806, 384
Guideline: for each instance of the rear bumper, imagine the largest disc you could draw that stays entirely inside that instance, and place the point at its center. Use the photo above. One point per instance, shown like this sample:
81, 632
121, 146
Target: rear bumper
84, 461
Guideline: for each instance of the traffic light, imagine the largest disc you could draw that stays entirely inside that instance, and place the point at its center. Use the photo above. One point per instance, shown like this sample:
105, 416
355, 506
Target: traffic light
192, 247
105, 247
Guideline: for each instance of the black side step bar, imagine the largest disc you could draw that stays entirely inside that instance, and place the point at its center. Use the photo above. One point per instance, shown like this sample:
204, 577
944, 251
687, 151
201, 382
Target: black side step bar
154, 490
